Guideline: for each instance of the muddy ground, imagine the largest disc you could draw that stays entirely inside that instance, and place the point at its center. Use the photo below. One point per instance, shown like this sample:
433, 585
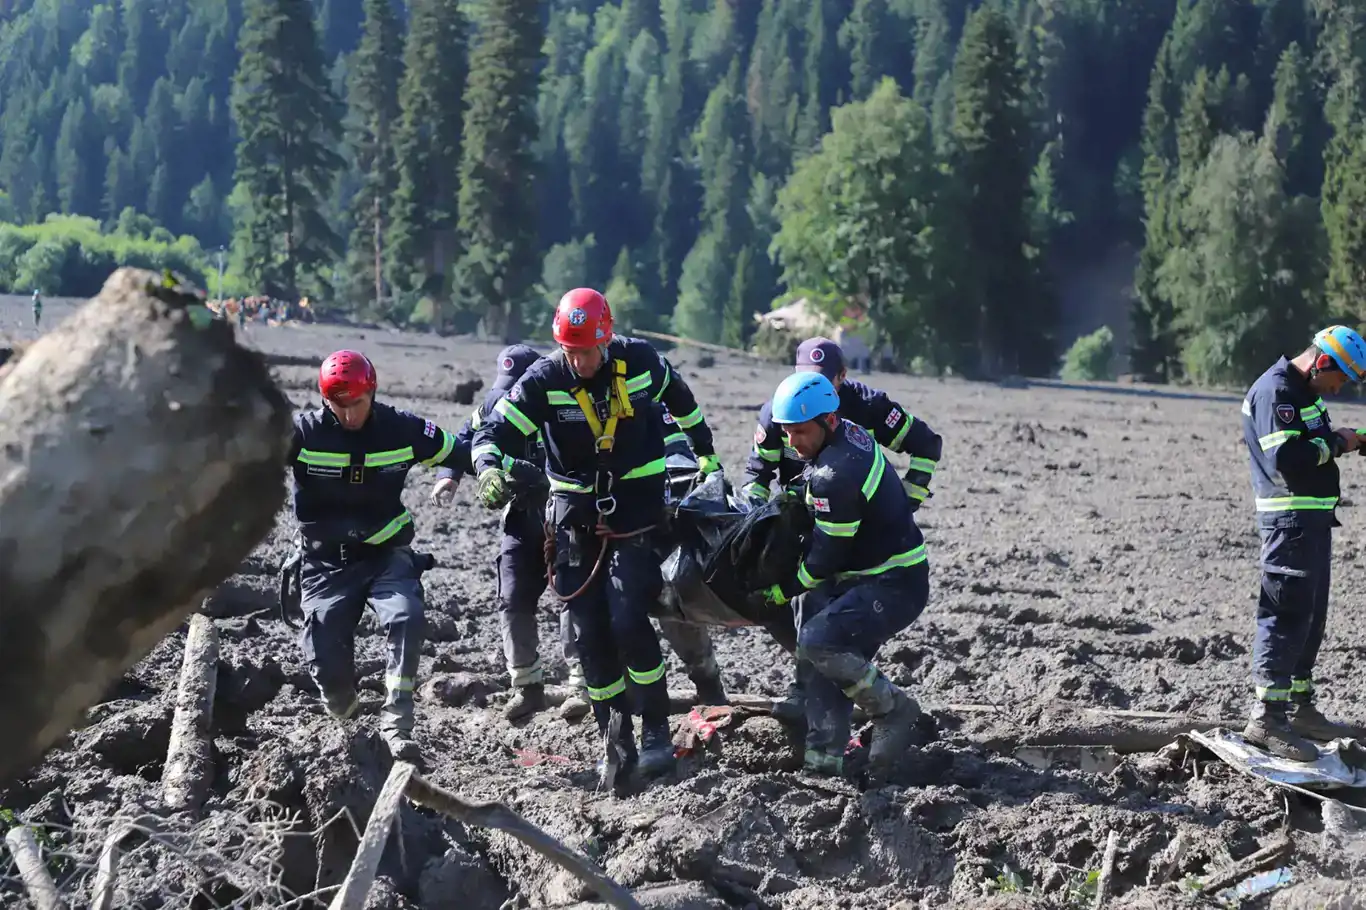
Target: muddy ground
1089, 548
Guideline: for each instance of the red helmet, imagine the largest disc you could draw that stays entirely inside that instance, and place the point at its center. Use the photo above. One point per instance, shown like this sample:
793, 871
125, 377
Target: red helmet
347, 376
582, 320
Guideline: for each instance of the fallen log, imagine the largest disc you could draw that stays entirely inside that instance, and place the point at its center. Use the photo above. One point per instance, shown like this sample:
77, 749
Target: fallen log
360, 878
1105, 883
189, 765
141, 453
1125, 732
32, 871
1266, 858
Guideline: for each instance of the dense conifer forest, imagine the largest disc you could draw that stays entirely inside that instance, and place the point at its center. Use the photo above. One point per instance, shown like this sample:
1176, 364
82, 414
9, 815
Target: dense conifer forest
950, 171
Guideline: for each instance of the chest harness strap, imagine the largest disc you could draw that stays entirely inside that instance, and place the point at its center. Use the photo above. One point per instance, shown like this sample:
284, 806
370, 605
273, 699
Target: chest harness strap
605, 437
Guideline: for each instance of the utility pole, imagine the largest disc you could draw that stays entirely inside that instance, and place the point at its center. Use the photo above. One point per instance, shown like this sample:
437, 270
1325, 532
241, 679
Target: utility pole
379, 269
220, 274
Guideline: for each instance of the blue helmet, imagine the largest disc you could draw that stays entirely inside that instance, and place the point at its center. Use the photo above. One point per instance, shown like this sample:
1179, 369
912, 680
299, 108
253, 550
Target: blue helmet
1347, 349
804, 396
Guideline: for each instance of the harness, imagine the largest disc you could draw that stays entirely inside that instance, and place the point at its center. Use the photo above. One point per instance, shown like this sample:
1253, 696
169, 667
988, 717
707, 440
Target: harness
605, 439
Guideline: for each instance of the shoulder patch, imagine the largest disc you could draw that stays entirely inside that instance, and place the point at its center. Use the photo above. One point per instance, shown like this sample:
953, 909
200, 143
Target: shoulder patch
1285, 413
893, 417
669, 418
859, 437
429, 430
759, 435
820, 503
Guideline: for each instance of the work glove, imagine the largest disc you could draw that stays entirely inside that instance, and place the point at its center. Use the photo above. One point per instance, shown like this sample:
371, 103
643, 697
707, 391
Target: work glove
495, 488
774, 596
708, 464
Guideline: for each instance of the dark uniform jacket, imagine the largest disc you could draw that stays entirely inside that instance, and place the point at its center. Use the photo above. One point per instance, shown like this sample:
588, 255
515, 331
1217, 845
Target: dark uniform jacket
1292, 450
543, 400
891, 424
348, 485
864, 524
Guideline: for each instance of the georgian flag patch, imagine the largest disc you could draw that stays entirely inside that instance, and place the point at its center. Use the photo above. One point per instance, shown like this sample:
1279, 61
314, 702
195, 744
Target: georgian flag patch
429, 430
820, 504
1286, 413
893, 417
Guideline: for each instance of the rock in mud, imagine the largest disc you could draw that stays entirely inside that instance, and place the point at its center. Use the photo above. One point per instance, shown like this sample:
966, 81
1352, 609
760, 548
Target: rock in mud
458, 689
459, 879
678, 896
130, 739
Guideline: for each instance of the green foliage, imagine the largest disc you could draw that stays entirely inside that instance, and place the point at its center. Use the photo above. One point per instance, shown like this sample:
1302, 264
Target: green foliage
1091, 357
68, 255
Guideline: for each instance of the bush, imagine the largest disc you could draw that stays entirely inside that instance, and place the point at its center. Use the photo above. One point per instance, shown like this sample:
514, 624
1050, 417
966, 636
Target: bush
773, 343
69, 256
1091, 357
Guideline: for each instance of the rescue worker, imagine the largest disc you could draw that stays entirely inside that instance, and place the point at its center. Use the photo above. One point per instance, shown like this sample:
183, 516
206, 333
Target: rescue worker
888, 421
891, 425
864, 577
692, 643
1293, 451
37, 308
595, 400
350, 459
521, 569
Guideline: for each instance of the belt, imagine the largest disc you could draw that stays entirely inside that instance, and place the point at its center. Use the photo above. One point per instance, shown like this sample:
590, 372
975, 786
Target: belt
345, 553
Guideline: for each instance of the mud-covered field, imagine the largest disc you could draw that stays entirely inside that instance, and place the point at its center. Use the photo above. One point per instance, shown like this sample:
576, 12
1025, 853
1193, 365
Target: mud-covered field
1090, 548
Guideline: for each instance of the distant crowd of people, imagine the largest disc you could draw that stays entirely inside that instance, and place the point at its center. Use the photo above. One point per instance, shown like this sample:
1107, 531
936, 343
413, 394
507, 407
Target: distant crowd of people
262, 309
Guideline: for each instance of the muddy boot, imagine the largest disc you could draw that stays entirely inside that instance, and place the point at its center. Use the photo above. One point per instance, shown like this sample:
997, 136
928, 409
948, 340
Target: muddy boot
401, 745
619, 753
1270, 728
822, 765
791, 708
656, 750
710, 691
342, 705
894, 714
525, 701
1309, 722
576, 705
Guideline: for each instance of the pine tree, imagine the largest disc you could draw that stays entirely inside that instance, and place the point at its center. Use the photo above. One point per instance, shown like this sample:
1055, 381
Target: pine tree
497, 171
289, 123
422, 242
991, 161
372, 100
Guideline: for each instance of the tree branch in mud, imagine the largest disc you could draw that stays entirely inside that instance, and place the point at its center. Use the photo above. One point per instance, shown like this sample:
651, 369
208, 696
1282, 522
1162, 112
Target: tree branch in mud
27, 857
1265, 858
500, 817
189, 759
141, 451
360, 878
1105, 883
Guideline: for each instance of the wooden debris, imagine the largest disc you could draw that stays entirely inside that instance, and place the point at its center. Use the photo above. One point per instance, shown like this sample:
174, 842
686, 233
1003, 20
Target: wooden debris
32, 871
189, 769
361, 877
1105, 884
1265, 858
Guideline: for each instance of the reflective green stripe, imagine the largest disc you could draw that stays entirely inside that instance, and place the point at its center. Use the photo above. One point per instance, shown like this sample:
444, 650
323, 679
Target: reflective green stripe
398, 683
1301, 686
553, 397
325, 459
757, 490
668, 374
568, 486
769, 454
1271, 440
487, 448
916, 491
393, 456
647, 677
806, 579
447, 446
689, 420
674, 438
869, 677
611, 690
1325, 453
874, 474
838, 528
901, 434
1296, 503
927, 465
638, 383
515, 417
390, 529
646, 470
901, 560
1309, 413
1265, 693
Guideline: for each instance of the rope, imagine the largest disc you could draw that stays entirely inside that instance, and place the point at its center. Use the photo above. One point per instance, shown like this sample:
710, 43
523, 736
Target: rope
605, 534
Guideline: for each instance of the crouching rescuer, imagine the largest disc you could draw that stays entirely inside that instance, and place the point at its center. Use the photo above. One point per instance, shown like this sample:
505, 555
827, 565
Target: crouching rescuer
863, 578
596, 402
1293, 451
350, 459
